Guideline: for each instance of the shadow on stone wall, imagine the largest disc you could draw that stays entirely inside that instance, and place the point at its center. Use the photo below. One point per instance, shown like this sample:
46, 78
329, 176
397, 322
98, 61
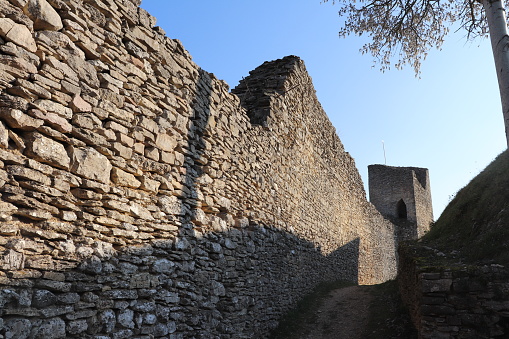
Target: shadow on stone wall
192, 168
197, 284
121, 229
405, 229
451, 299
222, 285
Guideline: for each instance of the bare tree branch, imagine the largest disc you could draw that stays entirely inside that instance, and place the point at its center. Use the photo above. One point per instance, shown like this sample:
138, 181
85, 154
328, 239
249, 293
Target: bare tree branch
405, 30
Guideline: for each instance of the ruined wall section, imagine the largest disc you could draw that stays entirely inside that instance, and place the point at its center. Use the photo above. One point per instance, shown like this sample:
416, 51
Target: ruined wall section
139, 199
453, 300
324, 201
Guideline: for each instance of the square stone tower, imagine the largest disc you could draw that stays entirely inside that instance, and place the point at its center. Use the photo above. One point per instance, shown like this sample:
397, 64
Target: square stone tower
402, 195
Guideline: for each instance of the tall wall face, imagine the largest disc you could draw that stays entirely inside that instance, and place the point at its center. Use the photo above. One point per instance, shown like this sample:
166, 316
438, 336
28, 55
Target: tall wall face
139, 198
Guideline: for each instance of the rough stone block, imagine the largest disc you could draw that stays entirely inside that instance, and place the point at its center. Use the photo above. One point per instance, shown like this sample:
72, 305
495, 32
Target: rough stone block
89, 163
84, 70
28, 174
18, 34
166, 142
144, 280
33, 214
53, 107
171, 205
17, 119
121, 150
199, 217
43, 299
54, 120
56, 286
152, 153
164, 266
16, 68
4, 136
139, 211
56, 276
139, 148
8, 229
108, 319
123, 178
18, 141
80, 105
46, 150
168, 158
17, 328
43, 15
438, 285
179, 158
53, 328
149, 184
120, 294
12, 260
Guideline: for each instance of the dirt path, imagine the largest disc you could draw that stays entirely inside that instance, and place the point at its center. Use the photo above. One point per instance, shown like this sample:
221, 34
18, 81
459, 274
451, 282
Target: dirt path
342, 315
339, 311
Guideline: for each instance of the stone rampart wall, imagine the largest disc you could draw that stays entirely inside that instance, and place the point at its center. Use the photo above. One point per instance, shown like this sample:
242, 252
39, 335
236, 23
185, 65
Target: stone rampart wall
456, 301
140, 198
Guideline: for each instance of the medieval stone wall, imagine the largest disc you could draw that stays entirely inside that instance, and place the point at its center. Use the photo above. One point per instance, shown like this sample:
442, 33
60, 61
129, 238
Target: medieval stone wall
140, 198
455, 301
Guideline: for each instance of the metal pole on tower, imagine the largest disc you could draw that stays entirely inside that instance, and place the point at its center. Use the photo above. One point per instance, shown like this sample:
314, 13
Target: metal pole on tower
385, 158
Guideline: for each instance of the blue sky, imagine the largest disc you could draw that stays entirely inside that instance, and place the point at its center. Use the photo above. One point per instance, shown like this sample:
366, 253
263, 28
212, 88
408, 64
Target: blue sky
449, 121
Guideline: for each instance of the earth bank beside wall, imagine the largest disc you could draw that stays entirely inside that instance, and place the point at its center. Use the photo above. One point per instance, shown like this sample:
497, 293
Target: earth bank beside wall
139, 198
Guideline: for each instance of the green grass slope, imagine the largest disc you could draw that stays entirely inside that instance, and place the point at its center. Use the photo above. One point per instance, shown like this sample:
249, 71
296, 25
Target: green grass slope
475, 224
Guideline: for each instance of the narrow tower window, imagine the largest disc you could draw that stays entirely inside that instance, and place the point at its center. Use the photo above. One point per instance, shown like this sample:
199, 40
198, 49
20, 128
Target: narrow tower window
401, 208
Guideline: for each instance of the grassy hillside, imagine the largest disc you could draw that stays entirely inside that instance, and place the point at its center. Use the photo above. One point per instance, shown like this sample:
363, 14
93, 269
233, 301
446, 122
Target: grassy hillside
475, 225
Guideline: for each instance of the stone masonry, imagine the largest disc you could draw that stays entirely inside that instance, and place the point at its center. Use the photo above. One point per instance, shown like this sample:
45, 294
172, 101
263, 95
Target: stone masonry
402, 195
453, 301
141, 199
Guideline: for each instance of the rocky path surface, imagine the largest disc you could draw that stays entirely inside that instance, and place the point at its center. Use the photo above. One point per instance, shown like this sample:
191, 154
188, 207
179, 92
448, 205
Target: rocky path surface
343, 315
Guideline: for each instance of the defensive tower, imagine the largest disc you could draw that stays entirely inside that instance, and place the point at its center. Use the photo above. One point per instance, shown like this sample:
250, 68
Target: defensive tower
402, 195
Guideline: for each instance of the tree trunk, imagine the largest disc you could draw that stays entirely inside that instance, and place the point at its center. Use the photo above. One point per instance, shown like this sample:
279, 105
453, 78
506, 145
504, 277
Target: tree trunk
497, 24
